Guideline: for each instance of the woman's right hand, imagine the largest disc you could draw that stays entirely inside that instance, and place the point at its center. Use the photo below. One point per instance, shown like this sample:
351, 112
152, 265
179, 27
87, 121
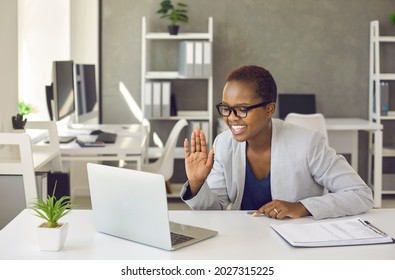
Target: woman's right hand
198, 163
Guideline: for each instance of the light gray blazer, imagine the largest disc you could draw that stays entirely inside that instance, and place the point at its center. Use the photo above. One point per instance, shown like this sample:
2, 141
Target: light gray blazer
302, 164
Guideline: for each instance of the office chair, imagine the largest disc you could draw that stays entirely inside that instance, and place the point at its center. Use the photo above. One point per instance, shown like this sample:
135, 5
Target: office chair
164, 165
314, 122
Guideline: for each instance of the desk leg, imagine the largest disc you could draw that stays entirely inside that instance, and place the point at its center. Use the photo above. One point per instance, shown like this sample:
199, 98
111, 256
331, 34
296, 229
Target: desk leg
378, 162
138, 162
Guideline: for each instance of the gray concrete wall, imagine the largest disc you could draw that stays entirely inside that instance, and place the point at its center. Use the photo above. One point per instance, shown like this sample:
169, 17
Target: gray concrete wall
319, 46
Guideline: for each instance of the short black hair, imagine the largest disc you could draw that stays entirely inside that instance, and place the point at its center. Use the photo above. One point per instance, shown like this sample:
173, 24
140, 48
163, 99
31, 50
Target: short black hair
259, 78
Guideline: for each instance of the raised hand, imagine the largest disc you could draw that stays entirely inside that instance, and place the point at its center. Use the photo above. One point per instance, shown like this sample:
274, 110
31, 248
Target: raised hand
198, 163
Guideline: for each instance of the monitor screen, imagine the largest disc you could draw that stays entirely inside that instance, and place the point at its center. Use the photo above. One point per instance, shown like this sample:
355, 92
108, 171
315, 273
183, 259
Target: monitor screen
62, 89
87, 108
302, 103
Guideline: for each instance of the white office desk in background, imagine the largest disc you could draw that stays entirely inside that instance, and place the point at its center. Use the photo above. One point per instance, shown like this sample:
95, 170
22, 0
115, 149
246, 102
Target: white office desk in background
240, 237
343, 137
130, 145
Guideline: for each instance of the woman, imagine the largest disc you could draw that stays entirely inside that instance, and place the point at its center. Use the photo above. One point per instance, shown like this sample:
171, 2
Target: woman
266, 165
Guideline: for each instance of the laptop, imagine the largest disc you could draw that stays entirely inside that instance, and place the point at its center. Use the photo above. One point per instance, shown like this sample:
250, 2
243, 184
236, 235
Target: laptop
132, 205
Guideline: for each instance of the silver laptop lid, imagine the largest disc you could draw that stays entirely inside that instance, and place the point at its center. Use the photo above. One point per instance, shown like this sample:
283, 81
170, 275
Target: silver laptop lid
130, 204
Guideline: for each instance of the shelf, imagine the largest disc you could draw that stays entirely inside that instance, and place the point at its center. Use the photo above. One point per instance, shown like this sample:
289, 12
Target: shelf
170, 75
150, 77
387, 39
180, 36
387, 117
387, 76
388, 151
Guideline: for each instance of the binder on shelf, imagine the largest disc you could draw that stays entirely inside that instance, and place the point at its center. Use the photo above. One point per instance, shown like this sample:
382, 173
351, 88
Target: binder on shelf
166, 91
156, 99
186, 58
205, 128
207, 65
384, 98
173, 105
148, 99
198, 63
191, 127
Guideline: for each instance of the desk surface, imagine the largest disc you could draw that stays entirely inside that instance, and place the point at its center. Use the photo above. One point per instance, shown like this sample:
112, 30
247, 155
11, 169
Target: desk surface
240, 237
351, 124
131, 140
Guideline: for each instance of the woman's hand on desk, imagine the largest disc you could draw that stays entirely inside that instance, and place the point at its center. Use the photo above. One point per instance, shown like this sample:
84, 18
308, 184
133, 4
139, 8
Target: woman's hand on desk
198, 163
279, 209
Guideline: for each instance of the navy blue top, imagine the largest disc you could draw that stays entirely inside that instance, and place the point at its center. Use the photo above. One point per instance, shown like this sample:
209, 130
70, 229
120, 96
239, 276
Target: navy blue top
256, 192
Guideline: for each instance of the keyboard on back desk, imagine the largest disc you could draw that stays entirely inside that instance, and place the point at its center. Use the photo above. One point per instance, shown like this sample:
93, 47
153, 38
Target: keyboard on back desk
106, 137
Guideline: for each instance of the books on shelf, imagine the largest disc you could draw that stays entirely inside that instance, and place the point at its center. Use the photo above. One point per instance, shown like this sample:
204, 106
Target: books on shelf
347, 232
157, 99
195, 59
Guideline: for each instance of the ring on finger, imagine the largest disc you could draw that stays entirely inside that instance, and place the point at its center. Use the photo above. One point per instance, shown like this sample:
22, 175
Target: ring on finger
275, 210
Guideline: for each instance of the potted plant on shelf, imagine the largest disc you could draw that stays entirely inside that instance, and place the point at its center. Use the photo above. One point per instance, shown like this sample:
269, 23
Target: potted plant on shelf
176, 13
51, 234
392, 18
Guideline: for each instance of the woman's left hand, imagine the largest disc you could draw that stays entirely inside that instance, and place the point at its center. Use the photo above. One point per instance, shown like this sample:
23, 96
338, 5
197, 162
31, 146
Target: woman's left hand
279, 209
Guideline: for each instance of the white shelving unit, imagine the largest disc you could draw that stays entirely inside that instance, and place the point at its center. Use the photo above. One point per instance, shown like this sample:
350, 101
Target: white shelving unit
375, 79
153, 75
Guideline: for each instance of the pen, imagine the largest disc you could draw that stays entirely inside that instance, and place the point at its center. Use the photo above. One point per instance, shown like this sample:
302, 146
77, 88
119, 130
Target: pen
375, 229
254, 213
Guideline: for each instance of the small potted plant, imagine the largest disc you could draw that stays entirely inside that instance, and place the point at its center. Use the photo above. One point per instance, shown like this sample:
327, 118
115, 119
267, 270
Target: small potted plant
175, 13
51, 234
18, 121
392, 18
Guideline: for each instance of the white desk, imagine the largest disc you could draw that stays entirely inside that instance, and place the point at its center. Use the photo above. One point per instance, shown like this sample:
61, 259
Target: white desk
343, 137
130, 145
240, 237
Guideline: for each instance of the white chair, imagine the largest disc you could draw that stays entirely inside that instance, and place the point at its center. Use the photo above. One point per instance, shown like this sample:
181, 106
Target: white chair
314, 122
16, 159
164, 165
49, 152
20, 158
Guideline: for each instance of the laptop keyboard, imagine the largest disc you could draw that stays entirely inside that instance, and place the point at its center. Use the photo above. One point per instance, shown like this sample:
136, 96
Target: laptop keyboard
106, 137
177, 238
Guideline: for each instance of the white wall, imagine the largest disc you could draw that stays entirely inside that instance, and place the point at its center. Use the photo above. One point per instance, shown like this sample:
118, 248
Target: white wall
53, 30
44, 36
9, 62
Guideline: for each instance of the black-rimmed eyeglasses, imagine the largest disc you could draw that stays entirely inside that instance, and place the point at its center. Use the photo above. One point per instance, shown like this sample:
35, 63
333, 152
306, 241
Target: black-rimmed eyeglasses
239, 111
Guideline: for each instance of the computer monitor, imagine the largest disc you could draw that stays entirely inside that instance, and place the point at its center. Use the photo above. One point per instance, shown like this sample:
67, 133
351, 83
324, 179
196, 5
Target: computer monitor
60, 94
87, 108
302, 103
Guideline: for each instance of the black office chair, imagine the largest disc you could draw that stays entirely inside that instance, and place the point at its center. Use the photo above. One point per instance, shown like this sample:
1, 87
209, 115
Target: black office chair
302, 103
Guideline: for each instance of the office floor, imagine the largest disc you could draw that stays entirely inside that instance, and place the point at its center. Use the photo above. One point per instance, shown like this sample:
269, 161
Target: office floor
175, 203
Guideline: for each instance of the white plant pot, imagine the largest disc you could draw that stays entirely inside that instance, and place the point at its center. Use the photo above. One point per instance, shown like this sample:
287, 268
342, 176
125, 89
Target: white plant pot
51, 239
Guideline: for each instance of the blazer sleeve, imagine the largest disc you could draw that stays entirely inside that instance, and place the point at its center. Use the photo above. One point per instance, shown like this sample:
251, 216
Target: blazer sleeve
213, 195
348, 193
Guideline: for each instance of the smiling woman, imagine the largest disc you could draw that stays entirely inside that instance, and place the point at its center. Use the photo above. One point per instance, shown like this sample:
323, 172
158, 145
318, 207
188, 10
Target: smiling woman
274, 168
